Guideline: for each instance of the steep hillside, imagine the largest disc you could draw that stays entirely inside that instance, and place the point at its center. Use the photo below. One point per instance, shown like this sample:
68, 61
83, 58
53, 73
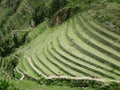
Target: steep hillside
61, 41
79, 48
19, 17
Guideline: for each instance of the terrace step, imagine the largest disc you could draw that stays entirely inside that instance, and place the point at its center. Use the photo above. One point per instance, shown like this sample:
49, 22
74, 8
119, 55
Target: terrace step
26, 69
33, 68
94, 43
48, 65
99, 36
72, 36
63, 59
78, 60
73, 49
55, 62
94, 23
40, 66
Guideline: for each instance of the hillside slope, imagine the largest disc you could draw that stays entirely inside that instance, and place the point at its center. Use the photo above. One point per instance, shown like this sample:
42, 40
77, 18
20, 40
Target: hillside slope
60, 39
79, 48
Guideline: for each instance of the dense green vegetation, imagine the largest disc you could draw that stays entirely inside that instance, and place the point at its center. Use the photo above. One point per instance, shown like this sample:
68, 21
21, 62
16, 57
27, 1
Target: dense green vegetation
70, 43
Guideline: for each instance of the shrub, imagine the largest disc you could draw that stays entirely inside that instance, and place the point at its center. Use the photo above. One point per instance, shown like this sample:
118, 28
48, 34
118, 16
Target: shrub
4, 84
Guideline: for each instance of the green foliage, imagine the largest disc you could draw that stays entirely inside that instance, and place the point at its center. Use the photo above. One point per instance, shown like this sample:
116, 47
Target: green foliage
39, 14
7, 85
18, 15
42, 12
114, 86
94, 85
12, 41
70, 82
57, 5
108, 17
8, 23
19, 12
4, 84
31, 85
8, 65
117, 1
11, 64
17, 75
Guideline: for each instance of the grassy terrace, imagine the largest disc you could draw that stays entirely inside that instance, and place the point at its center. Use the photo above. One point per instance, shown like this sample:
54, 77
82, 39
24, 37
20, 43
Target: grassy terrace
91, 50
29, 71
107, 41
96, 44
93, 43
77, 48
86, 48
97, 26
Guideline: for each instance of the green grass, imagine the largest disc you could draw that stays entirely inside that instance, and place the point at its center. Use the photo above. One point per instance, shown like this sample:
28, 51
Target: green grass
79, 48
94, 43
101, 36
40, 66
70, 50
74, 58
96, 25
29, 85
29, 70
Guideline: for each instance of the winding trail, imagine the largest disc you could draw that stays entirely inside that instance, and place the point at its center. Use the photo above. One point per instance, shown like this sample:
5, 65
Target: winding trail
23, 76
68, 77
65, 77
80, 78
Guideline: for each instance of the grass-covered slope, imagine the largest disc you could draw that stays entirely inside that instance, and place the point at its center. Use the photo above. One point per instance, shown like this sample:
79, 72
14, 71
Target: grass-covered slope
72, 43
77, 49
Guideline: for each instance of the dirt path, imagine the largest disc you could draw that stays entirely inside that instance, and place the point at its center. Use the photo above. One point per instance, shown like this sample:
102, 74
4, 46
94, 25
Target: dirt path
68, 77
81, 78
23, 76
76, 78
